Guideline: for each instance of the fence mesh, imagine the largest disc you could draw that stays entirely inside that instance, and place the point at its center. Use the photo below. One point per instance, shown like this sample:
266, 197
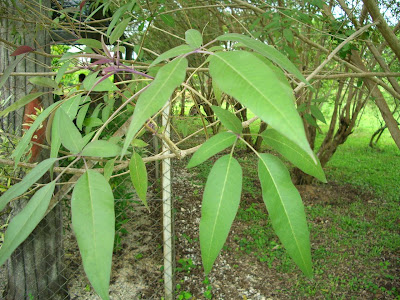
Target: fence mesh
138, 260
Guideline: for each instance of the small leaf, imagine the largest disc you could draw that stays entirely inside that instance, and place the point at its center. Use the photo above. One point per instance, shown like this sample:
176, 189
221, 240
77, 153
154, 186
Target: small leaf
61, 71
93, 222
293, 153
43, 81
81, 116
101, 148
21, 50
109, 168
92, 83
193, 38
317, 113
21, 187
138, 174
310, 120
55, 136
69, 134
288, 34
24, 142
139, 143
71, 106
20, 103
286, 210
22, 225
220, 203
179, 50
265, 50
228, 119
119, 30
115, 18
92, 122
217, 92
92, 43
168, 78
246, 78
7, 71
211, 147
167, 19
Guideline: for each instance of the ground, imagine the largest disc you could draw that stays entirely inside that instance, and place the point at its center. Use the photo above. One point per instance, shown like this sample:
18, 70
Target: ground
350, 262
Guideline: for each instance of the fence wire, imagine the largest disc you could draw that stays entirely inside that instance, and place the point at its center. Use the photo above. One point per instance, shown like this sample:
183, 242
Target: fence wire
138, 261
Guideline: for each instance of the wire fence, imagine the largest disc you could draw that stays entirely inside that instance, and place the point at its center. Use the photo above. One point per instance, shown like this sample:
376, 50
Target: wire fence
140, 268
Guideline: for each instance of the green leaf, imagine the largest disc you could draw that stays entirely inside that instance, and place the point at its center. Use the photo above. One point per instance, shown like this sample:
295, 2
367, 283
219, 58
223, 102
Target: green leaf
43, 81
55, 135
168, 20
116, 17
193, 38
92, 122
138, 174
119, 30
26, 221
211, 147
61, 71
286, 210
310, 120
93, 221
21, 187
266, 50
108, 169
104, 86
317, 113
69, 134
26, 139
86, 139
217, 92
246, 78
168, 78
228, 119
288, 34
220, 203
71, 106
139, 143
7, 72
293, 153
20, 103
90, 43
81, 115
179, 50
101, 148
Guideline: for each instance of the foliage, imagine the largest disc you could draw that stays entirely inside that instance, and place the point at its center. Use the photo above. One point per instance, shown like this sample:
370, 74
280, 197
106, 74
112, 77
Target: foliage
245, 72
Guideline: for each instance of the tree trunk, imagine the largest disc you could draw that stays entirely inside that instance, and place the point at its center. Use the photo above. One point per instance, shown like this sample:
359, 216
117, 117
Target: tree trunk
34, 270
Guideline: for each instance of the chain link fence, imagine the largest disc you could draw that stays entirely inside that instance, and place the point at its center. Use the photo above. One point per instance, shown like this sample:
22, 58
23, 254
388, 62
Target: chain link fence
140, 270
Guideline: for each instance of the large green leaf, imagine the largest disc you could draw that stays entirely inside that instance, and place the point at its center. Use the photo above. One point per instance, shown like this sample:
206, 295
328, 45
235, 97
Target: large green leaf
220, 203
55, 135
294, 153
26, 221
193, 38
179, 50
92, 43
20, 103
69, 134
71, 106
211, 147
21, 187
24, 142
286, 210
93, 221
246, 78
101, 148
138, 174
168, 78
266, 50
228, 119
